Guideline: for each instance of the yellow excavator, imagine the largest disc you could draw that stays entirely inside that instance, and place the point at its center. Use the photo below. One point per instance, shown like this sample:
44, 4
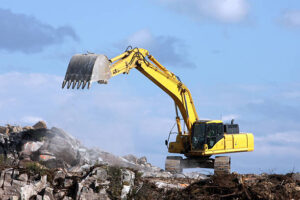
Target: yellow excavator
201, 139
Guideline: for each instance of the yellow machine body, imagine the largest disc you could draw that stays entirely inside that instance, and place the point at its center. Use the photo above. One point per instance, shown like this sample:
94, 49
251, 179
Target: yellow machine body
229, 143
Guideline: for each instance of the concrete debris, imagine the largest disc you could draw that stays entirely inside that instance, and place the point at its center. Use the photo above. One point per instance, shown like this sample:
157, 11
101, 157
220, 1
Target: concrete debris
149, 174
47, 164
40, 125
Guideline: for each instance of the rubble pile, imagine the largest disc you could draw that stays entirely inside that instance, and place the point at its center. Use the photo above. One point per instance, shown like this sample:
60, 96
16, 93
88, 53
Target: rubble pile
33, 181
55, 148
235, 186
41, 163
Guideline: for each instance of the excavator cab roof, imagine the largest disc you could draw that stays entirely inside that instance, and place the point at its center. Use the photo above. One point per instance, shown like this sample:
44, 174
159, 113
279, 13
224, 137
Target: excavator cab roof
209, 121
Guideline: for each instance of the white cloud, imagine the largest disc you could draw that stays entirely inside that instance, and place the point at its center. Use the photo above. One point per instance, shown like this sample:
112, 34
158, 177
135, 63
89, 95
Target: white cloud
291, 18
290, 138
226, 11
167, 49
141, 38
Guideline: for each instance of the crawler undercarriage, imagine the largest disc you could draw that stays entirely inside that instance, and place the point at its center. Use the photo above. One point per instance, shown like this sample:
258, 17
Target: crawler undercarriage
220, 164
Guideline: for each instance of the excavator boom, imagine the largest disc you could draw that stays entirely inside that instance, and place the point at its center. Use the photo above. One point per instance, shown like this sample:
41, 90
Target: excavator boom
84, 69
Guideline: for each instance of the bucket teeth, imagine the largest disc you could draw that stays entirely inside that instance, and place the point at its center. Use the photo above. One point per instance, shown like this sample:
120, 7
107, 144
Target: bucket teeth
64, 84
69, 84
83, 85
74, 84
78, 85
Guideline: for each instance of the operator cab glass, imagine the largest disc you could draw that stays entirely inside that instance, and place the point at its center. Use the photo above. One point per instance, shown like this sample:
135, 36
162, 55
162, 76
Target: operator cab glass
206, 133
198, 136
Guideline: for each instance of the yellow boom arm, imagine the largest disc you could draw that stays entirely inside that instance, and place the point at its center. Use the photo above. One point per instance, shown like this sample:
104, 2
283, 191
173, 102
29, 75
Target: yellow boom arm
159, 75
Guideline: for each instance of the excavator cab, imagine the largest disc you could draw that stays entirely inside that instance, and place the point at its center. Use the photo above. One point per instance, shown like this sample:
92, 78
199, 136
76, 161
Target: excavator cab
206, 132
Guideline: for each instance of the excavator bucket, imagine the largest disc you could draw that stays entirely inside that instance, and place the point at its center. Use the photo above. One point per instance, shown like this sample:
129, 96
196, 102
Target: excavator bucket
84, 69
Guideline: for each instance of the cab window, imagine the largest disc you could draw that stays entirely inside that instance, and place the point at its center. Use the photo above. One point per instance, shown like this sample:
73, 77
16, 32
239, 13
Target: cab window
214, 133
198, 136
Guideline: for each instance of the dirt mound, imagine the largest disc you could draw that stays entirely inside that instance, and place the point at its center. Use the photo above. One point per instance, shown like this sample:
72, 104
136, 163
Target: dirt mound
234, 186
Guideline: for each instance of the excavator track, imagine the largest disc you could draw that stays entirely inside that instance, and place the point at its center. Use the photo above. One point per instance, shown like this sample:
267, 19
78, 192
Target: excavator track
173, 164
176, 164
222, 165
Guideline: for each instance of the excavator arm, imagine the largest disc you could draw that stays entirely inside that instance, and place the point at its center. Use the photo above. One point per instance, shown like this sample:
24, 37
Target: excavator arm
91, 68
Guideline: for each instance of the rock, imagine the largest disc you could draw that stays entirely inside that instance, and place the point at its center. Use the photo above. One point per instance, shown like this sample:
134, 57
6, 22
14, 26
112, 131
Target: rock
67, 198
195, 175
131, 158
39, 197
168, 186
26, 128
148, 165
68, 182
75, 169
128, 177
149, 174
142, 160
63, 147
23, 177
14, 198
4, 130
40, 125
125, 191
2, 178
58, 177
100, 173
18, 184
296, 176
87, 194
30, 147
15, 129
48, 194
28, 191
15, 173
32, 189
127, 181
59, 195
179, 176
8, 178
85, 167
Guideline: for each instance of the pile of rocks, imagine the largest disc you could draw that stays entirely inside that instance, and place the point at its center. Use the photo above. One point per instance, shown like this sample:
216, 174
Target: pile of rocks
41, 163
56, 148
35, 182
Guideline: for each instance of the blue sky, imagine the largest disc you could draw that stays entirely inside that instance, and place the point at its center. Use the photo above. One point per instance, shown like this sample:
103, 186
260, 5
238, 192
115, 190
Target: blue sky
239, 58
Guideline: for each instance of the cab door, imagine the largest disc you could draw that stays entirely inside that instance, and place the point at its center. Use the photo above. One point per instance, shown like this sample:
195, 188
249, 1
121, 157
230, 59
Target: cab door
214, 133
198, 136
